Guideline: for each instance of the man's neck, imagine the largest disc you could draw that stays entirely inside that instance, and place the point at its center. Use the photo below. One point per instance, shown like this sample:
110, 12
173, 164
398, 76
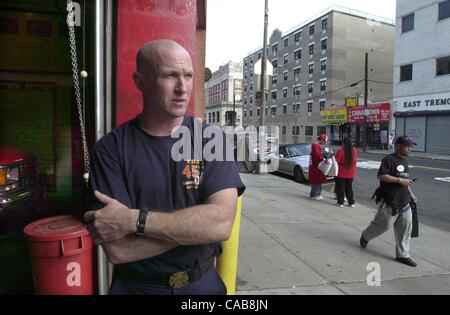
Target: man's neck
157, 126
399, 155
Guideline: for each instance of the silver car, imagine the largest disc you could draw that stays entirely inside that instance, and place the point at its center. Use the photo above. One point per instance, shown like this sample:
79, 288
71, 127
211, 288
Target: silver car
294, 161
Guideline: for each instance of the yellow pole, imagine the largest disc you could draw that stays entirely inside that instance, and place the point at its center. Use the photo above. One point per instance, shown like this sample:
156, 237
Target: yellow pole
226, 264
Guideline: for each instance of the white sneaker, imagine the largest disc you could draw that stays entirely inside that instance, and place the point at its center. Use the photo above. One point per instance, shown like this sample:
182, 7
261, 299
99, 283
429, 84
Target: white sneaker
340, 206
318, 198
352, 206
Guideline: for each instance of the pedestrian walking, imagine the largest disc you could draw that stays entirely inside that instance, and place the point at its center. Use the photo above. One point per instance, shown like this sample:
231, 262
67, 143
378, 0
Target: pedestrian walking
316, 177
395, 196
346, 158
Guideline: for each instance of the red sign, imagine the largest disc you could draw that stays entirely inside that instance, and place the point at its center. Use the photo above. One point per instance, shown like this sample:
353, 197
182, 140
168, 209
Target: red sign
376, 113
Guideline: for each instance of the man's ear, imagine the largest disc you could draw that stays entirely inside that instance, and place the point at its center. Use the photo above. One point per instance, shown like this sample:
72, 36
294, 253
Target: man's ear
138, 80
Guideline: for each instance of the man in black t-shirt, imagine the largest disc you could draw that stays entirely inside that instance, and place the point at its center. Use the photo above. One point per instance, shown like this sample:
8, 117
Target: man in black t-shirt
161, 219
396, 195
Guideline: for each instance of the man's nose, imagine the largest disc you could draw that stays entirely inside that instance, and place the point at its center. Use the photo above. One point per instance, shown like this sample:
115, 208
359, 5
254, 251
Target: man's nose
181, 86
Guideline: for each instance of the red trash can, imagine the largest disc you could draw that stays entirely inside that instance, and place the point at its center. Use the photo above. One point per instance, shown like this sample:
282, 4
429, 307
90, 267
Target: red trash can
62, 256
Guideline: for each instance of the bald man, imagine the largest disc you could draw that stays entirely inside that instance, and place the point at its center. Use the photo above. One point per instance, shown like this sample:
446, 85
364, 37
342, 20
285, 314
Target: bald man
160, 221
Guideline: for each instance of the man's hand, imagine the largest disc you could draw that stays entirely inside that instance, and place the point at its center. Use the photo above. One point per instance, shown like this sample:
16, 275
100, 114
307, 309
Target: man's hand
111, 223
414, 198
405, 182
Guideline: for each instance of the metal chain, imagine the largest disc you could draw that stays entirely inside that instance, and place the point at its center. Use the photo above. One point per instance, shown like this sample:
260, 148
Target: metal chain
76, 82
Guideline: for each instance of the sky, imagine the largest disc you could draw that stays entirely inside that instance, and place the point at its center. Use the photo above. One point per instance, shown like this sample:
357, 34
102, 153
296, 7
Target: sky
235, 27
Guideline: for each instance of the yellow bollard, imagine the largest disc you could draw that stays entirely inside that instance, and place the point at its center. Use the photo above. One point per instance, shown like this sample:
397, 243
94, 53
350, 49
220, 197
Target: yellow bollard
226, 264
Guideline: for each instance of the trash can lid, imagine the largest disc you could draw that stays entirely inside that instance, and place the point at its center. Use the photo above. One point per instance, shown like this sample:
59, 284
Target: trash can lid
56, 228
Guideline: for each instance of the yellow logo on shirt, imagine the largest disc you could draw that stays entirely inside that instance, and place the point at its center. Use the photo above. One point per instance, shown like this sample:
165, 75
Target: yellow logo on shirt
192, 173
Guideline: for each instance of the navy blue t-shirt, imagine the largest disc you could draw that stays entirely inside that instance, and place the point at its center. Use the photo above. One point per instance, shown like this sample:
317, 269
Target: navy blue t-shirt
136, 169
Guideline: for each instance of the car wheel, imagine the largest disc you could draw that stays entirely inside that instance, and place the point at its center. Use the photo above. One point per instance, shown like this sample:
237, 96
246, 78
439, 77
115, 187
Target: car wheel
298, 175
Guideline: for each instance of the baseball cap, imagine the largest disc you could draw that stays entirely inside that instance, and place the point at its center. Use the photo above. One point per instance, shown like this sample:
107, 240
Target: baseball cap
405, 140
323, 137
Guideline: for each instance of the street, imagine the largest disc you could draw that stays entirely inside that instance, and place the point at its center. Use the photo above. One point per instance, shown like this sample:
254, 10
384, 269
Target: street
433, 195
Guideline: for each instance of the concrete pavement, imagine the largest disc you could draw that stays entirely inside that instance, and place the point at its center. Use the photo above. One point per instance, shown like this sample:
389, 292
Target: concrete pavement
290, 244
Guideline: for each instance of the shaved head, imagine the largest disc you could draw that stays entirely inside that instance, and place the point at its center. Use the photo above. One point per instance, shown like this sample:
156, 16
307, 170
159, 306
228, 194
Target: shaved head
149, 55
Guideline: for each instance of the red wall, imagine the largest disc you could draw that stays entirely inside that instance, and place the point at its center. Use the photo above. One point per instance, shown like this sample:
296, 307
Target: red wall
141, 21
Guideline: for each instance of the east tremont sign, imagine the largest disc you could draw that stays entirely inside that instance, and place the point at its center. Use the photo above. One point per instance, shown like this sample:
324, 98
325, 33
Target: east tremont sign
422, 103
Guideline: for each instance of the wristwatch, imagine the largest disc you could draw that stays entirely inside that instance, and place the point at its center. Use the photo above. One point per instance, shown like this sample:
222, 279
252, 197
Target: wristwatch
142, 220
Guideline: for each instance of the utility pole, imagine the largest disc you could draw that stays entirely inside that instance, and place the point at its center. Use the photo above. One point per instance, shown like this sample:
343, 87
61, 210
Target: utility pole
262, 117
366, 97
264, 65
234, 108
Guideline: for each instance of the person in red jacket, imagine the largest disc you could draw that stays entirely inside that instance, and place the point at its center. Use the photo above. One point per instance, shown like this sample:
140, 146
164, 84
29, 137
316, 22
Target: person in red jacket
346, 159
316, 177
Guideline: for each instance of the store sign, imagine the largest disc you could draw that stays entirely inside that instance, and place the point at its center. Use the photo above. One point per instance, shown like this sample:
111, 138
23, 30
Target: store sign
335, 116
433, 102
375, 113
351, 101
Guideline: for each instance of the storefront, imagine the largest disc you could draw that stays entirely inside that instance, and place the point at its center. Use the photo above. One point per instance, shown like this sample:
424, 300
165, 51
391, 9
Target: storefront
425, 119
378, 116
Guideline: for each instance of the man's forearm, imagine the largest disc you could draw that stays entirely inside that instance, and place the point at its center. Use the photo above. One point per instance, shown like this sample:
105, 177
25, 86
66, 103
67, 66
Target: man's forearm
133, 248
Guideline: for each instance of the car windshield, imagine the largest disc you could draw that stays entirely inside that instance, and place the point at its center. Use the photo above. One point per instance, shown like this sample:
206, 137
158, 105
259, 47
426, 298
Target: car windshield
299, 150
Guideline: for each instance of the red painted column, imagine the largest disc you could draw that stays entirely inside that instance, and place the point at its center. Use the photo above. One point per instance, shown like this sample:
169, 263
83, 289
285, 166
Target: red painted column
141, 21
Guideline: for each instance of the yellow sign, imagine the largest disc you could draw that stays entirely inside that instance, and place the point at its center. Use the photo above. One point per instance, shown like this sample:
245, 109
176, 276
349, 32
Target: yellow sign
335, 116
351, 101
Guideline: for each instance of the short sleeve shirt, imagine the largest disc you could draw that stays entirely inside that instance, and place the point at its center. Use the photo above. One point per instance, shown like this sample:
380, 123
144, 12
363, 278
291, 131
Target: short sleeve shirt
395, 194
137, 169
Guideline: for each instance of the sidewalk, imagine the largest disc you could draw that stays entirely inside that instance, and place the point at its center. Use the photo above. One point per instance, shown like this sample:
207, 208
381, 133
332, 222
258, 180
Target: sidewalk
290, 244
420, 155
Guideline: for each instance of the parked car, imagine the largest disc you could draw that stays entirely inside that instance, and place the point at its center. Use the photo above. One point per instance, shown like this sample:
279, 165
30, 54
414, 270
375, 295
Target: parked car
22, 189
294, 160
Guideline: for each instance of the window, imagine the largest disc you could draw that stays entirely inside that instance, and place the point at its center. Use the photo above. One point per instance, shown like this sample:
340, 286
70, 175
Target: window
324, 44
218, 117
245, 113
310, 87
265, 111
259, 112
274, 95
298, 54
286, 42
443, 66
251, 113
274, 79
309, 131
312, 30
286, 59
297, 91
322, 105
285, 92
213, 117
408, 23
323, 65
209, 118
295, 130
321, 130
298, 37
310, 107
273, 111
275, 63
284, 109
406, 73
311, 49
251, 99
275, 48
323, 85
311, 68
444, 10
245, 101
296, 108
324, 24
251, 87
284, 130
285, 76
245, 88
297, 73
